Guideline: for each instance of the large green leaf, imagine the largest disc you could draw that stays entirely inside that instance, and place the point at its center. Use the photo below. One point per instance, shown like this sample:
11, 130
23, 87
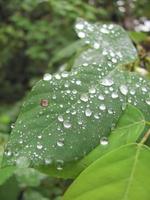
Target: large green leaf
65, 115
121, 174
128, 129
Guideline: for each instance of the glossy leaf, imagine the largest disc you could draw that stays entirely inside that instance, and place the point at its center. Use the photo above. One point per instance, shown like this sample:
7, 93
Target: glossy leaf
65, 115
121, 174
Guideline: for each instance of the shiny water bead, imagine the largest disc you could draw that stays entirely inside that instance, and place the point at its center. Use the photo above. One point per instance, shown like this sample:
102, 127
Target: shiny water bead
92, 90
57, 76
81, 34
64, 74
44, 102
47, 77
39, 146
114, 95
107, 82
148, 101
88, 112
78, 82
60, 118
101, 97
96, 45
104, 141
60, 142
84, 97
102, 107
79, 26
66, 124
59, 164
123, 89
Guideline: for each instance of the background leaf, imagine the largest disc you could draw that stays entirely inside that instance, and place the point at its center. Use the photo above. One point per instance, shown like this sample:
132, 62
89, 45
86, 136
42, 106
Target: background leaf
121, 174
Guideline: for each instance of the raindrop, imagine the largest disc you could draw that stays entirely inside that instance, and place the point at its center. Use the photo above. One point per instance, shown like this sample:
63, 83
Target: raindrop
92, 90
102, 107
107, 82
79, 26
124, 89
57, 76
84, 97
101, 97
114, 95
67, 124
148, 101
104, 141
60, 118
88, 112
60, 142
64, 74
96, 45
47, 77
39, 146
60, 164
81, 34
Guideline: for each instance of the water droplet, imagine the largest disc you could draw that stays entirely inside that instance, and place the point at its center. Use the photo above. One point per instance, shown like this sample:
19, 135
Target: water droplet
64, 74
60, 118
96, 45
84, 97
39, 146
67, 124
114, 95
88, 112
78, 82
44, 102
47, 77
148, 101
123, 89
92, 90
60, 164
12, 125
104, 141
107, 82
132, 92
101, 97
60, 142
102, 107
57, 76
79, 26
81, 34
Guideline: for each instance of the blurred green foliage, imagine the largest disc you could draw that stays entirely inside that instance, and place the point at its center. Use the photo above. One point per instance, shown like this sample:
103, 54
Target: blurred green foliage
38, 36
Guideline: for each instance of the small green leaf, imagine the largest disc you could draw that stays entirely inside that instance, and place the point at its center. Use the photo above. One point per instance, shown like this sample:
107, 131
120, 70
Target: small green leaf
120, 174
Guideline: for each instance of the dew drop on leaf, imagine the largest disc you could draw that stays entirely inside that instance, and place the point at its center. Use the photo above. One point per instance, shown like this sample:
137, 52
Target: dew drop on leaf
88, 112
123, 89
104, 141
47, 77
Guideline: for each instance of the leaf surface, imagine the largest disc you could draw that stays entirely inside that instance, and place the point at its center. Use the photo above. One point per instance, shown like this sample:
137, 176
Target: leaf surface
119, 175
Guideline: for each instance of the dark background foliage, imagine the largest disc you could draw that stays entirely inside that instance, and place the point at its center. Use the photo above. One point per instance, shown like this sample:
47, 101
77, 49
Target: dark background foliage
38, 36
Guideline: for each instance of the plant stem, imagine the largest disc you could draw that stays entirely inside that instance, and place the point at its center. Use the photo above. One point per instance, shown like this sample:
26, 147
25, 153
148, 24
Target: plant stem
146, 136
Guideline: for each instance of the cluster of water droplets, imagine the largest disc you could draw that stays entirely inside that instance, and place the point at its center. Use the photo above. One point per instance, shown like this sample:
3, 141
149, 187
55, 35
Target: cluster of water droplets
77, 105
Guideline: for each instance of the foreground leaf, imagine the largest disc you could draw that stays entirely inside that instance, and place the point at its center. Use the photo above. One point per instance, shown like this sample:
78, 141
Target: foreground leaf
129, 128
65, 115
121, 174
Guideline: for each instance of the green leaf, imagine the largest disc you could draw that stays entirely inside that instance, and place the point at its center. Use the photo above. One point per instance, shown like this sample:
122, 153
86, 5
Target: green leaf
6, 173
65, 115
120, 174
128, 129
